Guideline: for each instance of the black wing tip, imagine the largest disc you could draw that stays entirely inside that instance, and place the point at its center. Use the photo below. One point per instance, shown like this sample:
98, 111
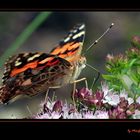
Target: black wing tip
79, 25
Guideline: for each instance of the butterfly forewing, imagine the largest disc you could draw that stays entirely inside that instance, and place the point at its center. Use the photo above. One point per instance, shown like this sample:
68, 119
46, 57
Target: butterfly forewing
71, 45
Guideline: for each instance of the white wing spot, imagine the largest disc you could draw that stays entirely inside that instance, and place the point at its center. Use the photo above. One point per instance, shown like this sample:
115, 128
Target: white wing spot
18, 58
70, 35
67, 39
81, 27
78, 35
25, 54
18, 63
74, 31
34, 56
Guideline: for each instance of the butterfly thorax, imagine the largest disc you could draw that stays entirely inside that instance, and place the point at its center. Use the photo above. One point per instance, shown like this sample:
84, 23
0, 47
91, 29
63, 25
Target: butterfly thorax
78, 66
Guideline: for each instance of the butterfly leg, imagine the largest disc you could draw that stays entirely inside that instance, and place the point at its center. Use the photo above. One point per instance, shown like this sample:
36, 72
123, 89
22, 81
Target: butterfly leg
74, 87
46, 97
95, 79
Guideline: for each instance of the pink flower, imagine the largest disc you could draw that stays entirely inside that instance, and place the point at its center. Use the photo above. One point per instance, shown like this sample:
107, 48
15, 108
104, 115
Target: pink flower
136, 115
124, 94
111, 99
88, 115
138, 100
102, 104
117, 113
83, 93
101, 114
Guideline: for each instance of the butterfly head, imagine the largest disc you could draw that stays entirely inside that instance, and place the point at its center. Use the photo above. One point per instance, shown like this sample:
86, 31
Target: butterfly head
82, 62
79, 65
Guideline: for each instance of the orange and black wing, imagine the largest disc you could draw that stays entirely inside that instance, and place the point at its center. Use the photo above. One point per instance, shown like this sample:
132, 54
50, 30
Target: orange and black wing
25, 63
19, 63
31, 74
71, 45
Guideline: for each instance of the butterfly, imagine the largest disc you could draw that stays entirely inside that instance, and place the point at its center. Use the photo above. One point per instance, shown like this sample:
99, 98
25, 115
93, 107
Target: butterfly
33, 73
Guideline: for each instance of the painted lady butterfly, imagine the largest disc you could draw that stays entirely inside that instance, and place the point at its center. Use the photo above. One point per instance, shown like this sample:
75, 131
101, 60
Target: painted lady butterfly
32, 73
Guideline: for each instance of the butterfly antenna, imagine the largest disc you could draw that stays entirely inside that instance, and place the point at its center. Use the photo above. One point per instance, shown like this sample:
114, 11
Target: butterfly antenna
97, 40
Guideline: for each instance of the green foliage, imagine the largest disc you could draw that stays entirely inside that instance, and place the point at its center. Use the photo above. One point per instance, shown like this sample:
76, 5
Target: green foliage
124, 70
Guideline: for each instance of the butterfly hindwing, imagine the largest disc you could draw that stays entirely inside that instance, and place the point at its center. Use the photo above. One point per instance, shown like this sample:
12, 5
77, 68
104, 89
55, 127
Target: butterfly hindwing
17, 62
23, 63
33, 77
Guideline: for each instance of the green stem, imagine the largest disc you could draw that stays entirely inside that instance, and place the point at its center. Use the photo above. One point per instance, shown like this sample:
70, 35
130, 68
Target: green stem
26, 33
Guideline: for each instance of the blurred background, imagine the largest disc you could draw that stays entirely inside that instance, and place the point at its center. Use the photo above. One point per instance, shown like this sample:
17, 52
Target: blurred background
51, 31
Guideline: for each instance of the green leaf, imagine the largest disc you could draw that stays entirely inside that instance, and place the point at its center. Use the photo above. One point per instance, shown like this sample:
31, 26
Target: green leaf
133, 77
135, 89
108, 77
132, 62
117, 87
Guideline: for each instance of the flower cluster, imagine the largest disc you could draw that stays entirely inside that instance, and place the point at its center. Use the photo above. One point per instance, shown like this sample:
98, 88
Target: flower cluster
103, 104
117, 98
124, 71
